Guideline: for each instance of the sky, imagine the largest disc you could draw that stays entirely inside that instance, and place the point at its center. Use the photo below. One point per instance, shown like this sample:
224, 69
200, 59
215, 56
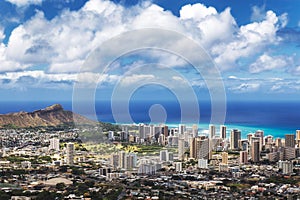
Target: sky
46, 48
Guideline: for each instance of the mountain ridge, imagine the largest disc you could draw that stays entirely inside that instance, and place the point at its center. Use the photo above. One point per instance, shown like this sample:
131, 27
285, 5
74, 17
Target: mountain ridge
50, 116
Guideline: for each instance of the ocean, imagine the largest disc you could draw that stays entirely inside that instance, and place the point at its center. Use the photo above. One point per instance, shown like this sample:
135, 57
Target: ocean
274, 117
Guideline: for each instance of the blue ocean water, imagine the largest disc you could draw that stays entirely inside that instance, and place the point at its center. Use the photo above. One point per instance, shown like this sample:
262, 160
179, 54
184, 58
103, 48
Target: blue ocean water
275, 118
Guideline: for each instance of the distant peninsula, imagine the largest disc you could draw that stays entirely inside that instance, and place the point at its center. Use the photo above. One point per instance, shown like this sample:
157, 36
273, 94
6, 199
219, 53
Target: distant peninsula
53, 115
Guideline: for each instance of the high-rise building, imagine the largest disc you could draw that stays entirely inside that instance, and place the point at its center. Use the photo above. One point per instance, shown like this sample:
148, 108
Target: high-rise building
157, 130
212, 131
289, 153
278, 142
243, 145
122, 157
54, 144
269, 140
181, 129
243, 157
141, 131
166, 156
130, 161
199, 148
181, 149
151, 130
286, 166
195, 130
225, 158
165, 131
290, 140
235, 136
260, 134
114, 160
163, 155
298, 137
255, 150
111, 135
170, 156
147, 131
223, 132
162, 139
70, 153
297, 134
249, 136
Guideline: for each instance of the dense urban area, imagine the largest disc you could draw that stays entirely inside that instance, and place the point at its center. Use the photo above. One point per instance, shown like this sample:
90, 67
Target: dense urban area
140, 161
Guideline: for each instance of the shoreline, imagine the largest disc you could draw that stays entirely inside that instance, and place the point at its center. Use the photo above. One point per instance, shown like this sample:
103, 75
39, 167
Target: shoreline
203, 129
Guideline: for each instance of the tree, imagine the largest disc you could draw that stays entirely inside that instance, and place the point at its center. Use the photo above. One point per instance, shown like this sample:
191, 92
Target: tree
46, 195
60, 186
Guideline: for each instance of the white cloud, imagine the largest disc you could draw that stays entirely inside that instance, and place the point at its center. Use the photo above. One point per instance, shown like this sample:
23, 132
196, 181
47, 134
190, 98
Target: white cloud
296, 70
258, 13
178, 78
286, 86
64, 42
135, 78
2, 36
197, 11
245, 87
39, 78
24, 2
283, 20
232, 77
250, 39
267, 63
213, 27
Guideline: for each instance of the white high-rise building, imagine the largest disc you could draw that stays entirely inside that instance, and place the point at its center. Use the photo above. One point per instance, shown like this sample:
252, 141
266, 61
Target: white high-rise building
54, 144
130, 161
70, 153
141, 131
163, 155
111, 135
195, 130
202, 163
286, 166
181, 148
178, 166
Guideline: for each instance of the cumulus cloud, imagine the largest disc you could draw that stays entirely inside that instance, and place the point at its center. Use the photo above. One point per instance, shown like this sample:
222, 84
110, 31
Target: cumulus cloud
213, 27
24, 2
267, 63
197, 11
63, 43
249, 40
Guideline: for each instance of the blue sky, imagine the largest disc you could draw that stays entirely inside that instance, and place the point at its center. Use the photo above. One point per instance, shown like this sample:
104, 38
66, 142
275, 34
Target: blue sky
45, 43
